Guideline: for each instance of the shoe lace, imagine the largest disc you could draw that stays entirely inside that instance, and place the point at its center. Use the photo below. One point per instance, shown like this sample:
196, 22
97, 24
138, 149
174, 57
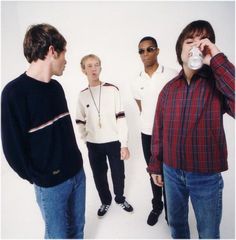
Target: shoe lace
104, 207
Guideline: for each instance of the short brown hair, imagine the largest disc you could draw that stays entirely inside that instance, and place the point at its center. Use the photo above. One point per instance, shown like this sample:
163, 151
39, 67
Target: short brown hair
39, 38
82, 62
195, 28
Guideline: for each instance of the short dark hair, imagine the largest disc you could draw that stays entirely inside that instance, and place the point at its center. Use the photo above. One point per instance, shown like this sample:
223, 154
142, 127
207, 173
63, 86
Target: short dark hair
39, 38
148, 38
195, 28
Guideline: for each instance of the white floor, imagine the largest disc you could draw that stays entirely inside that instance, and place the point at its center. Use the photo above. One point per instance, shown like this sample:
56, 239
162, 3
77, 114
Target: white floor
21, 217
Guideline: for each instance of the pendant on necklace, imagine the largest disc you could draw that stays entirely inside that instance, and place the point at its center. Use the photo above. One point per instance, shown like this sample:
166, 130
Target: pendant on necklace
99, 123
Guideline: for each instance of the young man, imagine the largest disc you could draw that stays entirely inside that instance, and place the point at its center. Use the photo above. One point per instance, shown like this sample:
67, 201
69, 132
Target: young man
102, 124
146, 89
38, 138
188, 142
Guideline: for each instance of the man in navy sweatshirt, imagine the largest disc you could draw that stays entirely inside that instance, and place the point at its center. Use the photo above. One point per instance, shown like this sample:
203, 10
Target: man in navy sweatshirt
38, 137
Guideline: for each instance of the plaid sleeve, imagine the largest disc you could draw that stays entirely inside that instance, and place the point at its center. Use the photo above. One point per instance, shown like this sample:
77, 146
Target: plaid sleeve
156, 160
224, 72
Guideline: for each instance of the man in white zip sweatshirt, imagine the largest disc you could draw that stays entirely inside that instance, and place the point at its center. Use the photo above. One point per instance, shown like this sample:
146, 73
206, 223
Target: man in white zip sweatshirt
102, 125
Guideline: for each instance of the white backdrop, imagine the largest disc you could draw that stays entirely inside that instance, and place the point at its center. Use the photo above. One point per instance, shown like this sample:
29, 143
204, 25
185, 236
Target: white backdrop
111, 30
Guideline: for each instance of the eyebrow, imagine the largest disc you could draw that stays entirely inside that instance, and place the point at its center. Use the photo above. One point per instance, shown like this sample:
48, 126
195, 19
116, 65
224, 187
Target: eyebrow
97, 63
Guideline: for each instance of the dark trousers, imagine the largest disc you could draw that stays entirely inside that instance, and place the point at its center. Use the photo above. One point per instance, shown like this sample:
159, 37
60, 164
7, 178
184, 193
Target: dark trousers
98, 155
157, 203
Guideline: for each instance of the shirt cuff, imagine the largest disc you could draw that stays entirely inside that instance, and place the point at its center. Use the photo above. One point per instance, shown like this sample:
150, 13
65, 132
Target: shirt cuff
218, 60
123, 144
155, 167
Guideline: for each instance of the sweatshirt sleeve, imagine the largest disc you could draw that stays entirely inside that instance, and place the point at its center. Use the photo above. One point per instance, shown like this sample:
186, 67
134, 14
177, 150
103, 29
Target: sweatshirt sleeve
81, 119
121, 120
14, 132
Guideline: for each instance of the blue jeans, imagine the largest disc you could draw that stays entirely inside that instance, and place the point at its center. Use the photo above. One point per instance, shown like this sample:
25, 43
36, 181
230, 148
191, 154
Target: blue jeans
63, 208
205, 192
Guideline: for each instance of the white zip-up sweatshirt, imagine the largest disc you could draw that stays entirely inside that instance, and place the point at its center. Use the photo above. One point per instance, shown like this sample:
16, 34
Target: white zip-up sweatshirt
112, 116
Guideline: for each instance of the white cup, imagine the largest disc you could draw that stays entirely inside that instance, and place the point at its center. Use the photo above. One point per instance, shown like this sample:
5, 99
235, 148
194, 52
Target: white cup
195, 60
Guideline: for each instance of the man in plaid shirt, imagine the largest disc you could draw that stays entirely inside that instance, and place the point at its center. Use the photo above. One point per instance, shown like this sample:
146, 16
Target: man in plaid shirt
188, 142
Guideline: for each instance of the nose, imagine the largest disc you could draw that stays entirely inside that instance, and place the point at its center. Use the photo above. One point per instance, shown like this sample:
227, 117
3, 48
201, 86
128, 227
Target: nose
145, 53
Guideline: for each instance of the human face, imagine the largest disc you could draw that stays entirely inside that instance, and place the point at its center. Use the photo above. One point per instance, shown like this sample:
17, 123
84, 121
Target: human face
149, 53
92, 69
59, 62
187, 46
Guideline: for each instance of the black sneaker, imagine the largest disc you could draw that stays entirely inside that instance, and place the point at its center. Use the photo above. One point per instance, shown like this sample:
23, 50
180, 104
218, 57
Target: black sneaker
153, 217
103, 210
126, 206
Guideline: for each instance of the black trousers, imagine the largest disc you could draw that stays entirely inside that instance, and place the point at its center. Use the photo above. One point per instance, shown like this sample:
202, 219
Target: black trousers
157, 203
98, 155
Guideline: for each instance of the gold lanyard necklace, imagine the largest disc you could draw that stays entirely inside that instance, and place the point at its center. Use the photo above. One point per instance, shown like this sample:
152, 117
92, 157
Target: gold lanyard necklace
97, 107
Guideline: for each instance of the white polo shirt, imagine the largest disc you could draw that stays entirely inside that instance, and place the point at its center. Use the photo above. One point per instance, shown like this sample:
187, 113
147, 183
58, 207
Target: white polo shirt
147, 90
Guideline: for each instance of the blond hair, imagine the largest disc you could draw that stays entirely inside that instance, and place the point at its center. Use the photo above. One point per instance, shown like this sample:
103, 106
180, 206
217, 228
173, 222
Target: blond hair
82, 62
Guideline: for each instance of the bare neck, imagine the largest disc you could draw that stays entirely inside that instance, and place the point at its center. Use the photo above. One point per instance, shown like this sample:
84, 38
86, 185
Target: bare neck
93, 83
188, 73
40, 71
151, 69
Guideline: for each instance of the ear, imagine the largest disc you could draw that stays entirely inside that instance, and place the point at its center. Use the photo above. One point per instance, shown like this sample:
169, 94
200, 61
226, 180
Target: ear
158, 51
52, 52
83, 70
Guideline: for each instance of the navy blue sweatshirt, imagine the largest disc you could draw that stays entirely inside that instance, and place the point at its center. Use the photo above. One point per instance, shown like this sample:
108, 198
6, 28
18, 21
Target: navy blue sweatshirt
37, 133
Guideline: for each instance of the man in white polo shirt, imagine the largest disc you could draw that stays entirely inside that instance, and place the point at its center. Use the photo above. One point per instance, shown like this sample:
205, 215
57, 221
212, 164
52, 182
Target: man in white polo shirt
146, 89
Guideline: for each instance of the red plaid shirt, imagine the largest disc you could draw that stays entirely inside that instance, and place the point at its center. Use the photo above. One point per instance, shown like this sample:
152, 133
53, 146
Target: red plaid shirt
188, 129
